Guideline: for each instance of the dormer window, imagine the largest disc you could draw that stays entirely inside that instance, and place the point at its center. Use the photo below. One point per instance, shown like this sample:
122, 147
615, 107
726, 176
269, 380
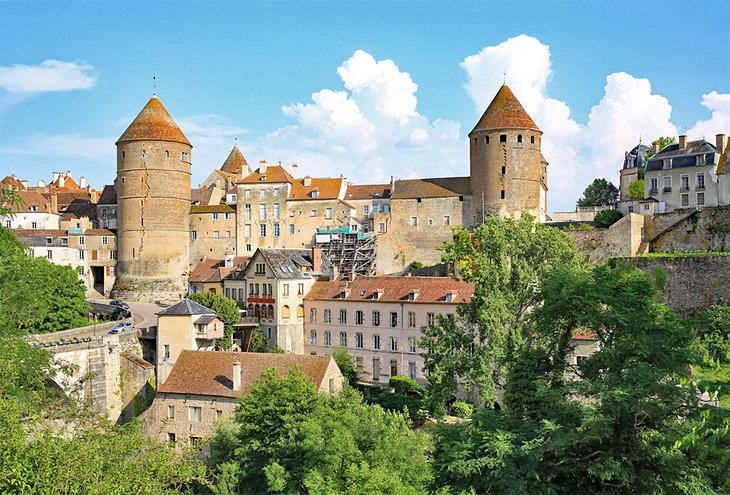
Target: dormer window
315, 194
667, 164
263, 177
344, 293
451, 295
413, 294
700, 160
33, 208
378, 293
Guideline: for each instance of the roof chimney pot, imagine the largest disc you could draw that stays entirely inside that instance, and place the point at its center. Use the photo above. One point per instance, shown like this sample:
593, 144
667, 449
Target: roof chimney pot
682, 141
721, 143
236, 376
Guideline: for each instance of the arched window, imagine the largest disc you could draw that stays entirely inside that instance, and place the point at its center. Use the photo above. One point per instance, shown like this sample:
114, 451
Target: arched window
263, 311
313, 315
212, 290
257, 310
271, 310
285, 312
486, 139
519, 138
300, 311
532, 139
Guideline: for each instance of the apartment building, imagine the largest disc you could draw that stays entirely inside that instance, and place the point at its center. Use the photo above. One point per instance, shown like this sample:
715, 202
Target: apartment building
33, 213
212, 232
379, 320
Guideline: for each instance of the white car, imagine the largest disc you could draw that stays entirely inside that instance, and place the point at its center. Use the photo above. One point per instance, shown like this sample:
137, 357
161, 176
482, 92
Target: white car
122, 327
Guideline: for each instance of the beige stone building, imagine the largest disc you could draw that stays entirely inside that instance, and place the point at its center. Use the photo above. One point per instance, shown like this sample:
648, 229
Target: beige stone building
371, 207
153, 206
379, 320
99, 248
212, 232
277, 281
234, 169
184, 326
205, 386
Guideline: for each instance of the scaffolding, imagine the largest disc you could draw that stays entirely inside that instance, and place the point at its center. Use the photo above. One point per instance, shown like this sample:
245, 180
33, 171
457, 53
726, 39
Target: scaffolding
351, 253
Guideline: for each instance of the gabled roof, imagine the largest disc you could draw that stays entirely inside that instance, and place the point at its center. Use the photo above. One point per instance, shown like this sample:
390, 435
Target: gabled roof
31, 199
683, 157
395, 289
235, 163
327, 188
274, 174
69, 184
12, 181
108, 196
287, 263
102, 232
201, 196
212, 270
431, 188
153, 123
505, 112
211, 372
79, 207
186, 307
367, 191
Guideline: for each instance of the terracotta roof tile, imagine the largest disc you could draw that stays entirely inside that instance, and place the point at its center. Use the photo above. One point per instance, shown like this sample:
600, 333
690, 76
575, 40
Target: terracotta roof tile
108, 196
327, 188
395, 289
201, 196
154, 123
40, 233
211, 270
12, 181
274, 174
101, 232
212, 209
367, 191
31, 199
235, 163
431, 188
505, 112
211, 372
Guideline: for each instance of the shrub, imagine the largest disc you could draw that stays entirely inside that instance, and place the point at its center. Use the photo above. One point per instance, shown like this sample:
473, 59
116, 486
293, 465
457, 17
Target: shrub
403, 385
401, 403
462, 409
606, 218
415, 265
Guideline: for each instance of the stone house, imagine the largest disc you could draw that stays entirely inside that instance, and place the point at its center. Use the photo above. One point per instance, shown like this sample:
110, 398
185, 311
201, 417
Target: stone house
212, 232
35, 212
234, 169
106, 209
184, 326
688, 174
277, 281
210, 274
99, 248
371, 207
379, 320
205, 386
55, 247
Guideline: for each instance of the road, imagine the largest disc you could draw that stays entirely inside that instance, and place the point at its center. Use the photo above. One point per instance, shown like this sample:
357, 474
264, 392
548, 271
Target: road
143, 315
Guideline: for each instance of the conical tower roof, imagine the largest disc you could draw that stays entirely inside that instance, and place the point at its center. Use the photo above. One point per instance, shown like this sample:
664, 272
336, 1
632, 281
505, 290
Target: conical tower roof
505, 112
154, 124
235, 162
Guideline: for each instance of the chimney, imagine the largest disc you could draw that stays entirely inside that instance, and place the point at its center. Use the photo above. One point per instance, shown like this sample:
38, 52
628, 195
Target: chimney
41, 183
54, 202
236, 375
262, 167
295, 171
61, 181
82, 182
317, 259
307, 181
334, 274
55, 176
655, 144
24, 183
68, 174
353, 275
721, 143
682, 141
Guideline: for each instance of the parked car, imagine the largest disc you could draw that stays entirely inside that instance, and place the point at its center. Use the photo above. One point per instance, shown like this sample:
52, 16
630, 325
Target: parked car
122, 327
119, 304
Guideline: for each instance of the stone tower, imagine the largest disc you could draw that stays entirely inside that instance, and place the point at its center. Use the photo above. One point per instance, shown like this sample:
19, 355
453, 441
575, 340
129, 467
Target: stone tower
508, 172
631, 171
153, 206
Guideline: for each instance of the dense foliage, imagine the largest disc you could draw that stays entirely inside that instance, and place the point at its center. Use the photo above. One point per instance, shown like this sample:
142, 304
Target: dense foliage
288, 438
504, 258
600, 192
226, 308
37, 296
345, 363
636, 189
606, 218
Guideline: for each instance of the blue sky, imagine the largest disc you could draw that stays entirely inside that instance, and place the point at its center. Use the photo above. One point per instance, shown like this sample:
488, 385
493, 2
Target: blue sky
366, 89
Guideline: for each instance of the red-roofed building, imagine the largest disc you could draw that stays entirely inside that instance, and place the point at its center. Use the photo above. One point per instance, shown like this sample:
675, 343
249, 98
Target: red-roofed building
34, 212
204, 386
379, 320
209, 274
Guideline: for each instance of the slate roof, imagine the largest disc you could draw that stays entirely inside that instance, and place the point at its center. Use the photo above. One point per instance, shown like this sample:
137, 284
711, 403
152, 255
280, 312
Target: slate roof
274, 174
685, 157
205, 319
186, 307
153, 123
287, 263
635, 158
212, 270
235, 163
327, 188
431, 188
505, 112
395, 289
210, 373
367, 191
108, 196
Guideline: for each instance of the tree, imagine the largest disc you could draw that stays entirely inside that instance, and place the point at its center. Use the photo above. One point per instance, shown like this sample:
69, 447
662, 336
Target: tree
293, 440
609, 424
226, 308
504, 259
35, 295
606, 218
636, 189
663, 142
346, 365
600, 192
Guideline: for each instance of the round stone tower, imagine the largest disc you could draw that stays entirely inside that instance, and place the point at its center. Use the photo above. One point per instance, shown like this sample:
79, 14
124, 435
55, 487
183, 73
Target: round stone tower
153, 207
507, 169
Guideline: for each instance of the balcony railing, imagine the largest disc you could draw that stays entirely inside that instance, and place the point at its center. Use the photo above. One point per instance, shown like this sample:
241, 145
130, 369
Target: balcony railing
667, 189
653, 191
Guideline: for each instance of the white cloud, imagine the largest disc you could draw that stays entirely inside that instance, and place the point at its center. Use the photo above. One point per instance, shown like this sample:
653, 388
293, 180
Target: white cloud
719, 121
49, 75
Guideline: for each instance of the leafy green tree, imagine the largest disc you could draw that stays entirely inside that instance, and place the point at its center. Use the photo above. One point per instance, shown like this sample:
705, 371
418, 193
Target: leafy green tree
345, 363
607, 425
636, 189
600, 192
606, 218
663, 141
292, 439
504, 259
226, 308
